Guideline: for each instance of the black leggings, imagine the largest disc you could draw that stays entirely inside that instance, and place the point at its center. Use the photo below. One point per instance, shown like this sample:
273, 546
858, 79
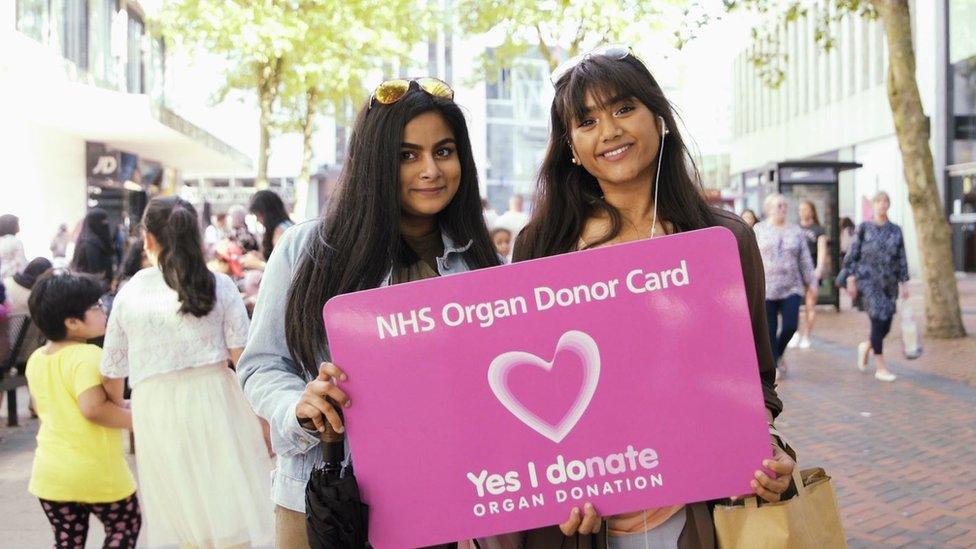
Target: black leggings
879, 329
122, 521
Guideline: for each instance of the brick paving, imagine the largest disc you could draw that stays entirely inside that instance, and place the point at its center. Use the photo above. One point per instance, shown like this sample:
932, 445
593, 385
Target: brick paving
902, 455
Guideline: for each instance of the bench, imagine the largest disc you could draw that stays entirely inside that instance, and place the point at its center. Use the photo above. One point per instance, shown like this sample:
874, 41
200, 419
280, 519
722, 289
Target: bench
20, 338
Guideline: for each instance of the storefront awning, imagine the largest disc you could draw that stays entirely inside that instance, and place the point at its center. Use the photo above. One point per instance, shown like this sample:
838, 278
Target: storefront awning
129, 122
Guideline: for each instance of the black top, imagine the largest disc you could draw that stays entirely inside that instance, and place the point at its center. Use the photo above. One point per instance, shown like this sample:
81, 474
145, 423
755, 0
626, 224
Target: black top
92, 257
812, 233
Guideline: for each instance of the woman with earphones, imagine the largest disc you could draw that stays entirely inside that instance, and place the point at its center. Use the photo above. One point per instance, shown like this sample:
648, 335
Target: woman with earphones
617, 170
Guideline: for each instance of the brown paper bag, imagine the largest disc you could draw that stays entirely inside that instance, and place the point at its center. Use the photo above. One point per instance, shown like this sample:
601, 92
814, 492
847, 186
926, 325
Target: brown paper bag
809, 520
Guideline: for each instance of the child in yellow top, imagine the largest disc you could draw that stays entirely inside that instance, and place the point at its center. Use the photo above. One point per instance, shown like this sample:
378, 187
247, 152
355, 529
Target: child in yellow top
79, 466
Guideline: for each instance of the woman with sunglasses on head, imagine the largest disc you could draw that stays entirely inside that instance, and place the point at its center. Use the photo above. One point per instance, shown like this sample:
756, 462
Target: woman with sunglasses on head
202, 461
407, 208
617, 170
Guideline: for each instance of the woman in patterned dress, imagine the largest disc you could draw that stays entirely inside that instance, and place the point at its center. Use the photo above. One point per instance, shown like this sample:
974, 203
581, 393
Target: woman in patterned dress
789, 273
874, 269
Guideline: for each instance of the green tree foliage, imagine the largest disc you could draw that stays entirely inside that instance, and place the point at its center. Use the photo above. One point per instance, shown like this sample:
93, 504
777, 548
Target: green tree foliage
557, 29
943, 314
299, 58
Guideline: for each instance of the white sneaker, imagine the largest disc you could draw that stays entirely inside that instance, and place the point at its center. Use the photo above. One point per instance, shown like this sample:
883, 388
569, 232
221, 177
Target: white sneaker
885, 376
862, 355
804, 342
794, 341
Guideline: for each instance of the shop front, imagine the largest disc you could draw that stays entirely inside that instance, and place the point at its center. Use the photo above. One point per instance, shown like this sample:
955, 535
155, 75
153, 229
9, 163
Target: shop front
960, 191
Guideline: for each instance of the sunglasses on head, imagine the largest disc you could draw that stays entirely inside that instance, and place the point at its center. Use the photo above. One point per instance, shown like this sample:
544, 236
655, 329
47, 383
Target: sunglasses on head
613, 51
391, 91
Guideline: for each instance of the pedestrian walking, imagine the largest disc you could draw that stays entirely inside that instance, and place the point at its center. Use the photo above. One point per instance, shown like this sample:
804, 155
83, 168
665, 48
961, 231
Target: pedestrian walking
217, 230
19, 285
789, 274
407, 208
817, 242
846, 236
875, 268
515, 218
59, 244
270, 211
489, 212
238, 231
617, 170
203, 466
79, 467
12, 256
95, 248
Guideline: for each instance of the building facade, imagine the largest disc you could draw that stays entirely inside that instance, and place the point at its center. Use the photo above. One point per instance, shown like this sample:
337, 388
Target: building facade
85, 116
833, 106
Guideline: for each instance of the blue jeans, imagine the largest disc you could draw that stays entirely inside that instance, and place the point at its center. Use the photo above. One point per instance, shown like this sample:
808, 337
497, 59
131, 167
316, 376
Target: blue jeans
789, 309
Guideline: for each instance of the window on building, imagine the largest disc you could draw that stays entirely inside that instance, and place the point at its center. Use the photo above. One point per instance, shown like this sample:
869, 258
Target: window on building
501, 141
34, 18
804, 40
864, 68
880, 53
135, 78
815, 62
962, 82
791, 70
74, 32
529, 79
100, 60
501, 86
850, 57
155, 76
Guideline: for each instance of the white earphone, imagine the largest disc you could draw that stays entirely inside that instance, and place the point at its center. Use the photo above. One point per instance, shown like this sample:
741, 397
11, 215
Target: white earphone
664, 127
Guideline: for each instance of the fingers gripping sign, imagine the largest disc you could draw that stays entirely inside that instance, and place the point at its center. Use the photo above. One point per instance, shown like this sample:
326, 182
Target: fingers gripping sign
322, 400
587, 522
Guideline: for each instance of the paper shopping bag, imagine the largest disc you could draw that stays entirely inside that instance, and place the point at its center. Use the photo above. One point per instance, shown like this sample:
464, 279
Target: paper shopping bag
810, 520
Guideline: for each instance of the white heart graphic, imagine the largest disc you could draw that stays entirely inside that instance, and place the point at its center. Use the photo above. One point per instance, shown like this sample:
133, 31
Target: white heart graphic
574, 341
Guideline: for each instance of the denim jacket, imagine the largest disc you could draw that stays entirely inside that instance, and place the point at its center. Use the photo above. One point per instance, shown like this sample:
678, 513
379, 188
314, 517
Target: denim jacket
270, 377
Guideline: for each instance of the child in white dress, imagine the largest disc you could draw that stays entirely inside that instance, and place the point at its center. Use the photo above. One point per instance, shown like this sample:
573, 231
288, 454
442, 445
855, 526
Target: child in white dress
203, 467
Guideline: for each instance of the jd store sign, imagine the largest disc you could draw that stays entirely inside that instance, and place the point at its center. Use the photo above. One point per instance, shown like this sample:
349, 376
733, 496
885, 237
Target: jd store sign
103, 164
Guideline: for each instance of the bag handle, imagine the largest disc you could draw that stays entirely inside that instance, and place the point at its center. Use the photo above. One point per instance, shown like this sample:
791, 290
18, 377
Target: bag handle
801, 490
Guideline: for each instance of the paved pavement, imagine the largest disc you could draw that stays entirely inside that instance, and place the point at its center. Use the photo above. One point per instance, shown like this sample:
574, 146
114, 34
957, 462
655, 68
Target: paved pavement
902, 455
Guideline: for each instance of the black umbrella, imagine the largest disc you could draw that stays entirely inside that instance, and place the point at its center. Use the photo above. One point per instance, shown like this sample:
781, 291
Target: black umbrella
336, 517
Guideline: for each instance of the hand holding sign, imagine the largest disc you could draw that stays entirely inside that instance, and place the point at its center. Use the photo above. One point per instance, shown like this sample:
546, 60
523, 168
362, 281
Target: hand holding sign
315, 407
589, 523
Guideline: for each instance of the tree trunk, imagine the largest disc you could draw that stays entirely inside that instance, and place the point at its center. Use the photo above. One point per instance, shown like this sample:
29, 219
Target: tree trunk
944, 319
302, 189
268, 80
264, 145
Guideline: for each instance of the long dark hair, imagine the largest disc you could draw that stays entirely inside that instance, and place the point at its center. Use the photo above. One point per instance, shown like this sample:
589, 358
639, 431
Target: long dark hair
94, 249
173, 222
566, 194
268, 205
357, 243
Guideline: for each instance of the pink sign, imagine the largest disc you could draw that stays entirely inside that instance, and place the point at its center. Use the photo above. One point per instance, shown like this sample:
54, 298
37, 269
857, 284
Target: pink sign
497, 400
